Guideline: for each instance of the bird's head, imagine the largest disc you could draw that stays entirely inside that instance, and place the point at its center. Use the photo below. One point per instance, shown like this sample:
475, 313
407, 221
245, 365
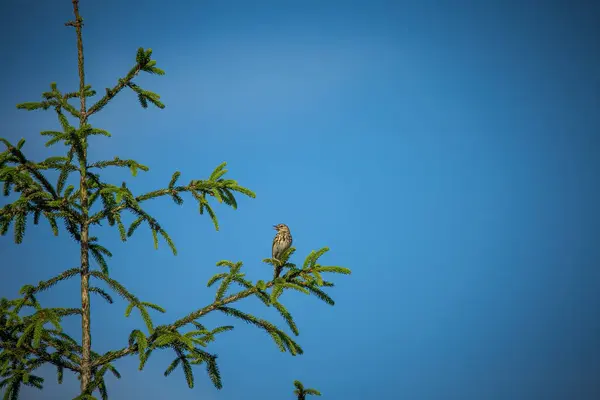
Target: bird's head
281, 227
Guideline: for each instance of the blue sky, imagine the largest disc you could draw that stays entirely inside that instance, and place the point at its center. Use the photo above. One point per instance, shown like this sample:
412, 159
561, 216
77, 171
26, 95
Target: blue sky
446, 152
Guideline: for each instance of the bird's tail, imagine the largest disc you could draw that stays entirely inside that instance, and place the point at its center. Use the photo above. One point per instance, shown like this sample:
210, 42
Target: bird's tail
277, 271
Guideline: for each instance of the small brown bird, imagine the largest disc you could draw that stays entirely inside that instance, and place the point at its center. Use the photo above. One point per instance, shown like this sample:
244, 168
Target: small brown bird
281, 242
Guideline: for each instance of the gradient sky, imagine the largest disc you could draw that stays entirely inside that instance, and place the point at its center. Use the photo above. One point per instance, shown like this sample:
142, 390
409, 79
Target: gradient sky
446, 151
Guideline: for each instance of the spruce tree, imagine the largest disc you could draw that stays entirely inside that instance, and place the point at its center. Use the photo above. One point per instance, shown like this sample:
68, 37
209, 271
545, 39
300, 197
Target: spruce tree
31, 335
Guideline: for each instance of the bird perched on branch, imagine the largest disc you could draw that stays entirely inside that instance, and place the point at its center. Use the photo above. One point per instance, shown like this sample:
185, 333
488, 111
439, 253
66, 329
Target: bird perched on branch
281, 242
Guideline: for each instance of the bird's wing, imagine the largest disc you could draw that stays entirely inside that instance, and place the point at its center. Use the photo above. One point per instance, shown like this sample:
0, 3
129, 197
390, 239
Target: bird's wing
275, 248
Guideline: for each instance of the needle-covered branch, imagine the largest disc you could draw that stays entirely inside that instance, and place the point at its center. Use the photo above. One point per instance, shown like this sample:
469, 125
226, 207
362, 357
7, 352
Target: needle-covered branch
54, 98
25, 340
144, 63
301, 392
117, 199
37, 195
45, 285
186, 344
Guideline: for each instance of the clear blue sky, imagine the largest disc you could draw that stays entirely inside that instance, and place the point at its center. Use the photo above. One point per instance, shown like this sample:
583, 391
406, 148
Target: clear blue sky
446, 151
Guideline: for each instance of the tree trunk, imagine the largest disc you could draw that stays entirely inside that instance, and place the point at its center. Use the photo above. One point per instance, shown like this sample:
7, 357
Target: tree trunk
86, 337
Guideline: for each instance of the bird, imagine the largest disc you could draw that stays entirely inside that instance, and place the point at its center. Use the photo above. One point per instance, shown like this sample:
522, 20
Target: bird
281, 242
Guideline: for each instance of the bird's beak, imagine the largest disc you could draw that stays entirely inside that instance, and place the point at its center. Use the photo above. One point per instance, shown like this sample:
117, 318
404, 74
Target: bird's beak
274, 226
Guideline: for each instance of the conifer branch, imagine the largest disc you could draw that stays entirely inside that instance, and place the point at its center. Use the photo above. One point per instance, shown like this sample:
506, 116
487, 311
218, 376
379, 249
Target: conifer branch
215, 186
44, 285
301, 392
42, 355
110, 93
38, 196
289, 281
29, 167
144, 63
